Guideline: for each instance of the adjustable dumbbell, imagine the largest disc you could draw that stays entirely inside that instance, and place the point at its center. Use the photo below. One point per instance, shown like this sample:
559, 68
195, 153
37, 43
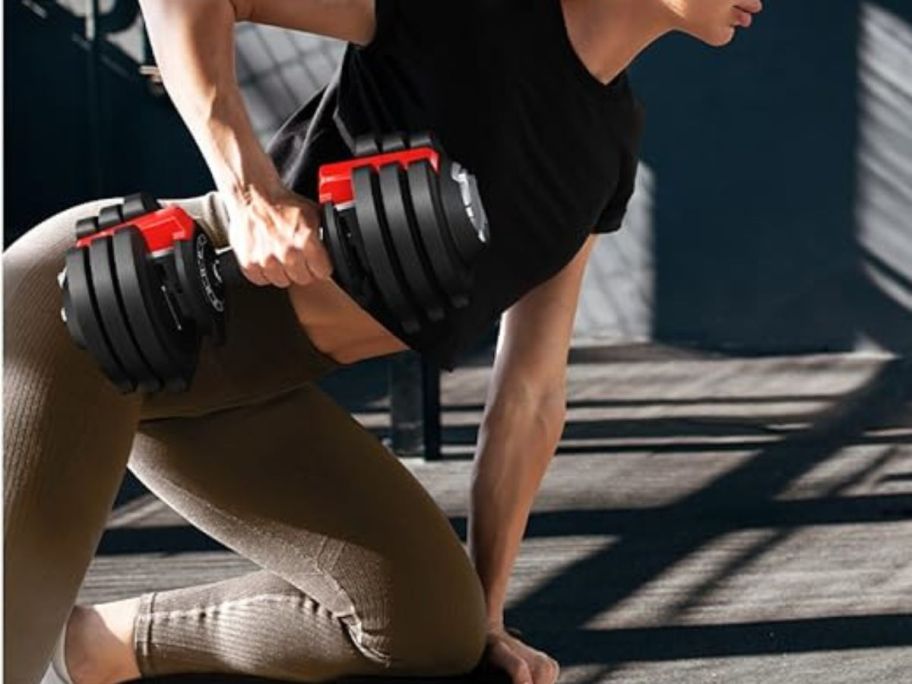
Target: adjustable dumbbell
417, 239
143, 285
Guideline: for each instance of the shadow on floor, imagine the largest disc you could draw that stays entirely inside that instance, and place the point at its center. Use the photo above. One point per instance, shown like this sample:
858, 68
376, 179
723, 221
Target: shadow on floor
476, 677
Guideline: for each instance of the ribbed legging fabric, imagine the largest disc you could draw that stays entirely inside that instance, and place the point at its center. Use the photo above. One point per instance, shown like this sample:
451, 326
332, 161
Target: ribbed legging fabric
360, 571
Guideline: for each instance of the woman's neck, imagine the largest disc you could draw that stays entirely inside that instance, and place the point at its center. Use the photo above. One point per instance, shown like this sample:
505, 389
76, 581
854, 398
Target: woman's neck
608, 34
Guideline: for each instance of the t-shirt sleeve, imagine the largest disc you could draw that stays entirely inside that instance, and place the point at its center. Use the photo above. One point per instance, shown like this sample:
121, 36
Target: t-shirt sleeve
612, 215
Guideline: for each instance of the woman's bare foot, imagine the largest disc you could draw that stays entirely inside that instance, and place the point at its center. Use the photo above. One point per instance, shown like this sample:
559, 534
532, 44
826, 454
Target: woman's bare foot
99, 643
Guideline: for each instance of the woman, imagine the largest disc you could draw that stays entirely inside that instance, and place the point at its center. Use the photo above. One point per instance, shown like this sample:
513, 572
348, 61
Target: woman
360, 571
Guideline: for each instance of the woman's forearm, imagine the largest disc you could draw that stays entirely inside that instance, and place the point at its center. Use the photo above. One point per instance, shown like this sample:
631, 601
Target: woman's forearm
193, 42
516, 442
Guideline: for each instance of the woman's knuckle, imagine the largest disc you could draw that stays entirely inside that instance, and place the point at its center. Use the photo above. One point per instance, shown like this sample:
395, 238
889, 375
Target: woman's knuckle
543, 669
302, 276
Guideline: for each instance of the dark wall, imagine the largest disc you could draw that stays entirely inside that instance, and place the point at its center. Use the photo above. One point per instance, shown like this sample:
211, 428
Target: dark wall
142, 143
753, 151
756, 156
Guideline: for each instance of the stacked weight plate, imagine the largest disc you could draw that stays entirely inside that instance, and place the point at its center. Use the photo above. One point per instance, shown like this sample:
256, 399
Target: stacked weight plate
143, 284
140, 309
412, 231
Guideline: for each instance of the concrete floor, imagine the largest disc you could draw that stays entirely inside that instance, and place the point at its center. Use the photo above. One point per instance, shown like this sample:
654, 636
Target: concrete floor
705, 518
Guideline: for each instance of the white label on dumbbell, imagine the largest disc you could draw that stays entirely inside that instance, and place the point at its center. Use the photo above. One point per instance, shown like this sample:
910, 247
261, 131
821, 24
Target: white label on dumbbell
471, 199
217, 303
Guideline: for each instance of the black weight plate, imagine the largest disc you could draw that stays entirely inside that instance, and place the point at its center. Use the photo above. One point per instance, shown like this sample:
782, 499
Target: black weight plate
170, 351
352, 238
86, 226
443, 218
424, 139
181, 339
399, 219
461, 229
422, 183
353, 249
379, 256
85, 312
72, 320
213, 285
343, 269
139, 204
366, 145
392, 142
229, 271
202, 294
110, 216
113, 317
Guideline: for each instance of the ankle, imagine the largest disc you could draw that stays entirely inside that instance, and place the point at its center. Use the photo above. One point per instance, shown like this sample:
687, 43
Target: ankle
80, 651
98, 647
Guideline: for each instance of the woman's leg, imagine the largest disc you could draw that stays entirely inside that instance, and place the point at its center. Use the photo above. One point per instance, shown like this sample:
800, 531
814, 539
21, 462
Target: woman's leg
67, 434
362, 573
68, 431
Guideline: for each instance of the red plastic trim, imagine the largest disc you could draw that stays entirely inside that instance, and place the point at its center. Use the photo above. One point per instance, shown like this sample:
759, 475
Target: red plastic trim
334, 180
160, 229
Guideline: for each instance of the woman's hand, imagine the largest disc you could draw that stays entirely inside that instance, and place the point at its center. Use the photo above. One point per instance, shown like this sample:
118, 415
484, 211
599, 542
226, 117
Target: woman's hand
273, 230
524, 664
275, 234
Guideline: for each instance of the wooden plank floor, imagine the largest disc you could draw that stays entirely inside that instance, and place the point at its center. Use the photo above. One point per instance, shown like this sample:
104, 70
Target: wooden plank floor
705, 519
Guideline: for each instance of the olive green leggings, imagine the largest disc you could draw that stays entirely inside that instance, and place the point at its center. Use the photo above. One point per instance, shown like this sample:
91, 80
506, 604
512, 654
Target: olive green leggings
361, 572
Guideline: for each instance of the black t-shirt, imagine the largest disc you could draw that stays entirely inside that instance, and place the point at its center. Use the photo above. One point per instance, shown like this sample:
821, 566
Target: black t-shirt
553, 149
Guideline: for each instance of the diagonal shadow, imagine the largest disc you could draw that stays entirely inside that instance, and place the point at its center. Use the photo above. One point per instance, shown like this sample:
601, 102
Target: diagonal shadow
782, 534
620, 570
174, 539
774, 637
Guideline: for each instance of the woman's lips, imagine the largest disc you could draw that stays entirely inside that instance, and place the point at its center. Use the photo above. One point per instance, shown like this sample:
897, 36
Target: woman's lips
744, 18
744, 13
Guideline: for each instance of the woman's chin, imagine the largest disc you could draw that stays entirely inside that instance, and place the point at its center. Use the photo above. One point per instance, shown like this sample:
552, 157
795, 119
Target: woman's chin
719, 38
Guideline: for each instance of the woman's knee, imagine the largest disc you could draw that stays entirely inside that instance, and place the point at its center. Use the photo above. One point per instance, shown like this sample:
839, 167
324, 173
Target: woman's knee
446, 642
438, 624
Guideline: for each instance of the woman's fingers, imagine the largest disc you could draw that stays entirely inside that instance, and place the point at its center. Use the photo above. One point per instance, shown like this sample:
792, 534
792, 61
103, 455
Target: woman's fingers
275, 271
254, 273
251, 269
317, 258
276, 240
296, 267
545, 670
524, 664
503, 656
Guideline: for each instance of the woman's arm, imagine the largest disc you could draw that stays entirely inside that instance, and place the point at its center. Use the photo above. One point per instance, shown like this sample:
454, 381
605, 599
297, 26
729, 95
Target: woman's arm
193, 42
522, 424
349, 20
